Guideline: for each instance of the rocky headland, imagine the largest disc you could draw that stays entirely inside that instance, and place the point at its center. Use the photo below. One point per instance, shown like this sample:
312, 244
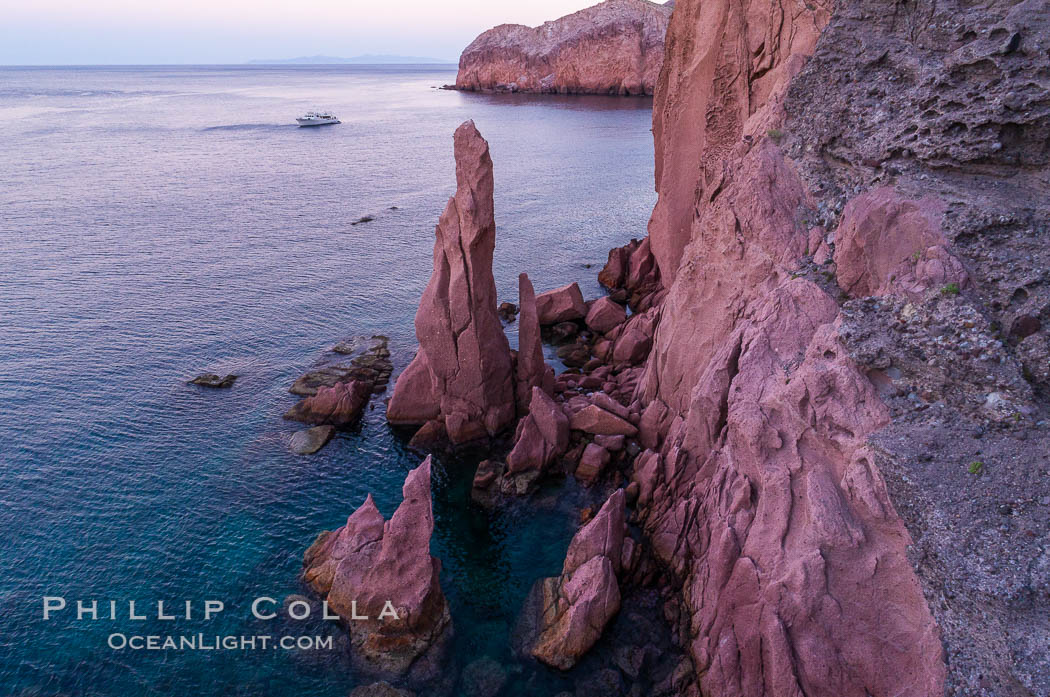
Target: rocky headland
815, 398
615, 47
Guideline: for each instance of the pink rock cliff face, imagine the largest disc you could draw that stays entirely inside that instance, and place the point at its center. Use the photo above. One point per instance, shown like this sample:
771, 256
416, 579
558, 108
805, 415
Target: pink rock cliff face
615, 47
461, 375
726, 61
369, 561
761, 494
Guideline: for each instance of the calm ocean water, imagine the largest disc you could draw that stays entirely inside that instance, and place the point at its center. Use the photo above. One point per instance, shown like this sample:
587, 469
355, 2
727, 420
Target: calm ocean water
156, 223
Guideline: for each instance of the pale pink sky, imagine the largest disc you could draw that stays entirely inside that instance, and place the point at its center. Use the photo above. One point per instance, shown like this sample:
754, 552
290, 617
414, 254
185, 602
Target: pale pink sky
233, 31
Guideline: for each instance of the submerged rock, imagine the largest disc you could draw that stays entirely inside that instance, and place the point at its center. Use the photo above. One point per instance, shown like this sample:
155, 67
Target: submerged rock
485, 489
462, 373
338, 405
214, 381
484, 677
507, 311
311, 440
373, 568
380, 689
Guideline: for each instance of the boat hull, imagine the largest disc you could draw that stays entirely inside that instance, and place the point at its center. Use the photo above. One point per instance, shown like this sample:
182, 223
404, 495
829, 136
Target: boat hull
317, 122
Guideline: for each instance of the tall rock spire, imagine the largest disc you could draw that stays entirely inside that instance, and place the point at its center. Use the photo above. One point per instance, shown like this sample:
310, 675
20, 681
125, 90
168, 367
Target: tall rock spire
532, 371
462, 375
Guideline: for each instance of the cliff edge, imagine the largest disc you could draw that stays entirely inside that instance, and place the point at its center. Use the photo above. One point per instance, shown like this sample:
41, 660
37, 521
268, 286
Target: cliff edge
615, 47
847, 390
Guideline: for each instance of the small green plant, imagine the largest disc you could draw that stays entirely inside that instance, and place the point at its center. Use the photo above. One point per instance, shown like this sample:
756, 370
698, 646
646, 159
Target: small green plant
916, 255
775, 134
976, 468
950, 289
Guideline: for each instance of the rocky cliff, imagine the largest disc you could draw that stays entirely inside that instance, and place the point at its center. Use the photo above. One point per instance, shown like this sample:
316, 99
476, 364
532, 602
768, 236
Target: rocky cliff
831, 396
847, 387
615, 47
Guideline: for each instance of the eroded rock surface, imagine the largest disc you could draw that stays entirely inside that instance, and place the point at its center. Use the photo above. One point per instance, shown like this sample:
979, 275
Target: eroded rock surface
462, 375
763, 495
541, 437
576, 606
338, 405
369, 566
614, 47
531, 370
886, 244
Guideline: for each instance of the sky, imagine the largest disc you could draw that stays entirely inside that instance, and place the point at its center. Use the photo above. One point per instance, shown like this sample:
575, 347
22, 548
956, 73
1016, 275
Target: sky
97, 32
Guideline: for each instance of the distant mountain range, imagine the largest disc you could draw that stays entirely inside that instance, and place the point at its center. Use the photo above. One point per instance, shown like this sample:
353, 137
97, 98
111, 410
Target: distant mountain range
369, 58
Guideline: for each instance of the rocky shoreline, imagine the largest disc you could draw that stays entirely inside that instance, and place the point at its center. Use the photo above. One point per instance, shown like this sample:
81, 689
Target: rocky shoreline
615, 47
816, 391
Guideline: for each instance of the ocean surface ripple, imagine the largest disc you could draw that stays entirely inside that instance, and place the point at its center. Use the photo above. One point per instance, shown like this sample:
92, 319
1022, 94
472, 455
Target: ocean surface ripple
156, 223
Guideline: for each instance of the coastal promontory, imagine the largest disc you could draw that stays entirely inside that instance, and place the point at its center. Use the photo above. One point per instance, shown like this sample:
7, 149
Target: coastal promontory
614, 47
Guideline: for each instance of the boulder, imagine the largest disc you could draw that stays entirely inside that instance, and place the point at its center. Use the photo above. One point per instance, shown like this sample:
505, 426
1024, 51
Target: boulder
563, 332
595, 420
610, 405
634, 339
574, 355
643, 276
541, 436
605, 315
887, 244
592, 463
430, 436
377, 569
486, 485
507, 311
653, 424
462, 373
311, 440
338, 405
614, 273
531, 370
576, 606
561, 305
611, 443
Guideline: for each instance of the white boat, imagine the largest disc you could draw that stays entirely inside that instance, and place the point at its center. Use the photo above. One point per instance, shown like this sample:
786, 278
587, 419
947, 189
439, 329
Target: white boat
317, 118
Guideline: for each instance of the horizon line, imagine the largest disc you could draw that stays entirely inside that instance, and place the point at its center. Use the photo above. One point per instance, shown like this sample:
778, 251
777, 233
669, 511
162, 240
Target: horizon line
244, 64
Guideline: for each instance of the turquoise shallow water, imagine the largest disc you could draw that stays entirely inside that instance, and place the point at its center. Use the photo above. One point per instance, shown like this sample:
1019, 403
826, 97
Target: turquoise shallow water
160, 222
